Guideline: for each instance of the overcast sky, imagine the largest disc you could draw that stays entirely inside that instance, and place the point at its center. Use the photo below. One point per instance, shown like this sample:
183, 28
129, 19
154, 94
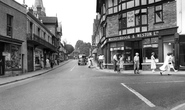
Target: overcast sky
76, 16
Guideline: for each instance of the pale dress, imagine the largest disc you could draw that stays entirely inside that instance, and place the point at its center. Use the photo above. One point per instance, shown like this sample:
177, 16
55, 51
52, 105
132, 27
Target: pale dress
153, 64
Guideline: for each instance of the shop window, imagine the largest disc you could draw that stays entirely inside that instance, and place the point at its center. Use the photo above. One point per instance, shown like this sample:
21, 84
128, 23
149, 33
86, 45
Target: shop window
115, 9
168, 47
182, 56
138, 29
144, 28
150, 45
13, 57
158, 14
130, 31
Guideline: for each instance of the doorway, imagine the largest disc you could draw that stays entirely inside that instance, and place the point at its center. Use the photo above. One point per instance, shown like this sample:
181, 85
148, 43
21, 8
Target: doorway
138, 49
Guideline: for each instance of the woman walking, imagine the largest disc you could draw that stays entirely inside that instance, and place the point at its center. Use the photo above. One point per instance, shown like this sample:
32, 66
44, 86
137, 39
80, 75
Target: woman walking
166, 64
153, 63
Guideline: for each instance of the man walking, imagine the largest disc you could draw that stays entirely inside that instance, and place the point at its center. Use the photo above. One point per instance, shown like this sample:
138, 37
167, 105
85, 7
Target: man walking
136, 63
115, 59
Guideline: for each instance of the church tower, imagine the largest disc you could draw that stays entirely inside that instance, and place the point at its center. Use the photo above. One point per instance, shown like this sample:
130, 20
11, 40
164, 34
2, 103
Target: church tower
38, 8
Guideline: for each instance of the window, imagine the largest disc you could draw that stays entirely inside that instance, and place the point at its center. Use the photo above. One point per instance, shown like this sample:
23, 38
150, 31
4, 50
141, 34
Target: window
150, 1
143, 2
123, 21
150, 45
39, 32
9, 25
110, 4
130, 4
158, 14
137, 17
137, 2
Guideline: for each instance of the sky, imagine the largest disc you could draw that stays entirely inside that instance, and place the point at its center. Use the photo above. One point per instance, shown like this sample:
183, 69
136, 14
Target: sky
76, 16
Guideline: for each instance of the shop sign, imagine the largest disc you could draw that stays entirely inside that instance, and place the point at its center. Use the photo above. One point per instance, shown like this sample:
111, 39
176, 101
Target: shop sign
135, 36
130, 19
117, 48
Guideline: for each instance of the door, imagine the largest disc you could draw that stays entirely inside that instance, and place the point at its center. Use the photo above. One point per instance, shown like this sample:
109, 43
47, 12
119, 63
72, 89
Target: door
2, 65
30, 59
138, 49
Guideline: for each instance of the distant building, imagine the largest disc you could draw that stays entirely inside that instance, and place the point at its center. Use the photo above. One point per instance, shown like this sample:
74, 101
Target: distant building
143, 26
13, 53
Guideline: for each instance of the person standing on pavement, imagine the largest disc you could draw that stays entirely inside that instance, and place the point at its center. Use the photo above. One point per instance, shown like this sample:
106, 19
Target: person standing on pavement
121, 62
47, 63
136, 63
153, 62
115, 60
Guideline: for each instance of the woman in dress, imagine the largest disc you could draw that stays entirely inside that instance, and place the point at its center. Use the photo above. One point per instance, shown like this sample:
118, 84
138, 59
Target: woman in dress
153, 63
121, 63
166, 64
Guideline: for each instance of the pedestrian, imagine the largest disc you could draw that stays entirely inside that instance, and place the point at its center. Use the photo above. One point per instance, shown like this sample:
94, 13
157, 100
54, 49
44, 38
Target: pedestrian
47, 63
115, 60
136, 63
89, 62
166, 65
172, 63
101, 58
121, 63
153, 62
42, 63
51, 62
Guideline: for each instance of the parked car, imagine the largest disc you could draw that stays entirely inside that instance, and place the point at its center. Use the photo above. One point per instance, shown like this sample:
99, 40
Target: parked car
82, 60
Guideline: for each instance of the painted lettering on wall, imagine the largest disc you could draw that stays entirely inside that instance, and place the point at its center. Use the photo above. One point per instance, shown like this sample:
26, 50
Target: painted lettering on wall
134, 36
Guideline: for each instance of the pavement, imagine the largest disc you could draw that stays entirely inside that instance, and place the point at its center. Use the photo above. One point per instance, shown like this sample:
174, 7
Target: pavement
142, 72
13, 79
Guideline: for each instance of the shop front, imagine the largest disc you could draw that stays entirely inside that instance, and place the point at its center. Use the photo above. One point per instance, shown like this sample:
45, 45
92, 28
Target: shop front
161, 42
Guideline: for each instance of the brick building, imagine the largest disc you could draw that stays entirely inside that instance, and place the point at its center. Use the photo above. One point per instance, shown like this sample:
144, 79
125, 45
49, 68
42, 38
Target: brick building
143, 26
13, 55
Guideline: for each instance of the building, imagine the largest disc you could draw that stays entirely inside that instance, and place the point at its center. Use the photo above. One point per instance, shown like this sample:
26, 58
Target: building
39, 42
43, 37
142, 26
13, 55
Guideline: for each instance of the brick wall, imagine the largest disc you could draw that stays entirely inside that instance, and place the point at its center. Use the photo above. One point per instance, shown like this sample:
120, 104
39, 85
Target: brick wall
112, 26
169, 17
19, 24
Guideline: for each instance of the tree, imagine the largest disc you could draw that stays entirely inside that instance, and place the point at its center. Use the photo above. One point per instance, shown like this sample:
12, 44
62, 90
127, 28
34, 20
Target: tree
69, 48
83, 47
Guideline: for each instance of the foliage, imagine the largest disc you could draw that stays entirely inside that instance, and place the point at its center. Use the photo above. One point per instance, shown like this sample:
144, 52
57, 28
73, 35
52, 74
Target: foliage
83, 47
69, 48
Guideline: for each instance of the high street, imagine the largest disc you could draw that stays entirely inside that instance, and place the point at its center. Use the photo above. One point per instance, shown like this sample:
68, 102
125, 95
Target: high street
73, 87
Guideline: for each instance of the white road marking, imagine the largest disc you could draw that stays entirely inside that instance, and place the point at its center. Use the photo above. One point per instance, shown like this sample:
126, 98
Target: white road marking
73, 68
139, 95
178, 107
158, 82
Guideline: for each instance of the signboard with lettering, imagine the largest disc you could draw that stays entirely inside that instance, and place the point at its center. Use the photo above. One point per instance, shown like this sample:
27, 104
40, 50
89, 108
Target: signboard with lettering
134, 36
130, 19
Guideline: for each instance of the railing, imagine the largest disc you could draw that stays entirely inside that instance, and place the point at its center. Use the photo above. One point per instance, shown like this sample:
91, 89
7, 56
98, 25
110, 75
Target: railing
40, 41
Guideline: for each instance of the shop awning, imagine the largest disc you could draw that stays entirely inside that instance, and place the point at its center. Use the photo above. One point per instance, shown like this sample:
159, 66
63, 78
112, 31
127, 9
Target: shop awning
10, 40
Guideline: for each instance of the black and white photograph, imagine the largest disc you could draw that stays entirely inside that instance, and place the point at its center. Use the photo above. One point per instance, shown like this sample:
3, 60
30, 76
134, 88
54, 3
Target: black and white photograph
92, 55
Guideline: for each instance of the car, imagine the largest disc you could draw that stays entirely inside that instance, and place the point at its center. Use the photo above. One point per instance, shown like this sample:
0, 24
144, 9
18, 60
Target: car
82, 60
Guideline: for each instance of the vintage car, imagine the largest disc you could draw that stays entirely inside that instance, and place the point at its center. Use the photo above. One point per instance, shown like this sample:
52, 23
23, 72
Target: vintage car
82, 60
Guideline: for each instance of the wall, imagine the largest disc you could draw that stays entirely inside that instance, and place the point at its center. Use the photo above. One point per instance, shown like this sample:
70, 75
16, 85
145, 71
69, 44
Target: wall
19, 24
112, 26
169, 17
